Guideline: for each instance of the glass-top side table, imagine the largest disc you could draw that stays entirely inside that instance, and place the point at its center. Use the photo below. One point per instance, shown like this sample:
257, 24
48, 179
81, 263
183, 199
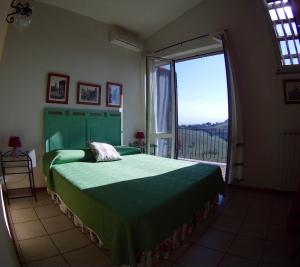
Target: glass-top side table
16, 165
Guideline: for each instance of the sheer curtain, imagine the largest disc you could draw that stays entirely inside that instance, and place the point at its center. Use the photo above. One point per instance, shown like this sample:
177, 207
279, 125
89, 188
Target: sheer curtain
236, 143
162, 97
163, 101
160, 106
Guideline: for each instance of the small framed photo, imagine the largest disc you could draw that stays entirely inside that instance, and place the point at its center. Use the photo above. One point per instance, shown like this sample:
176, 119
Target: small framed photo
57, 88
291, 91
113, 94
88, 93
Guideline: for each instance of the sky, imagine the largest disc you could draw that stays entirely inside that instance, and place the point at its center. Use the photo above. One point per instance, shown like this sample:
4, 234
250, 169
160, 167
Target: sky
202, 90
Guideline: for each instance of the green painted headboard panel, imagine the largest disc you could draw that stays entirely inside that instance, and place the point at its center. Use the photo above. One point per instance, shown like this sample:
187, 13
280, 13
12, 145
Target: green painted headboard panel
75, 128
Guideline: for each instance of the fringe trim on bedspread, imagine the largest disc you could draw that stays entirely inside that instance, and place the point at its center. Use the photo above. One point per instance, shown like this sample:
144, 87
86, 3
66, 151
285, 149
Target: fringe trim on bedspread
164, 249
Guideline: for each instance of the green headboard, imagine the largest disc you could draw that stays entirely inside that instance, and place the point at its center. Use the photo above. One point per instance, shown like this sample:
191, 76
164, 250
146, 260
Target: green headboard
75, 128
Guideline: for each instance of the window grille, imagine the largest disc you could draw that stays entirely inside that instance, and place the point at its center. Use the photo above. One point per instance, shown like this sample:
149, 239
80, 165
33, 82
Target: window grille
286, 31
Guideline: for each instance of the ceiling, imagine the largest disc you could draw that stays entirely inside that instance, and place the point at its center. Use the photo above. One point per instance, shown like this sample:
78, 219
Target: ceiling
144, 17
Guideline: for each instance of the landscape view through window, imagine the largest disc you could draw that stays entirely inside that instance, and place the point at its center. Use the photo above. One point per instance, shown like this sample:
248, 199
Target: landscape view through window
202, 109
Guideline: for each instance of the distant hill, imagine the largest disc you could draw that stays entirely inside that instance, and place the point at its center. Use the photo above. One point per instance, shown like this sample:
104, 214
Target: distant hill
207, 141
207, 125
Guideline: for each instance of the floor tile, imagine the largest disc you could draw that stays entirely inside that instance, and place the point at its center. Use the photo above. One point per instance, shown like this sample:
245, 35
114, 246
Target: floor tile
43, 198
89, 256
47, 211
235, 210
262, 205
205, 248
20, 192
43, 195
247, 247
198, 232
228, 223
216, 239
259, 214
222, 200
57, 261
233, 261
199, 256
277, 253
241, 197
19, 203
23, 215
278, 234
57, 224
38, 248
263, 200
29, 230
279, 219
70, 240
178, 253
282, 203
258, 229
19, 251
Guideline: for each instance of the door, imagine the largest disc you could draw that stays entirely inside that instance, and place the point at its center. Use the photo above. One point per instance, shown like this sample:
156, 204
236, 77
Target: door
161, 106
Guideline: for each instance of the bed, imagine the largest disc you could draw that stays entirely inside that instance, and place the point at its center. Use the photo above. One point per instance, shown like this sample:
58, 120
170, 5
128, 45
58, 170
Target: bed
133, 204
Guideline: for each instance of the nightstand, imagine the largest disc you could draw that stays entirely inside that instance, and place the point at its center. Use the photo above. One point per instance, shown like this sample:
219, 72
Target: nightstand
143, 147
21, 164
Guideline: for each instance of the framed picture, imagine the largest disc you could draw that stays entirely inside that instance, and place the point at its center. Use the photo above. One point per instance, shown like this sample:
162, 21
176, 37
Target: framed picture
57, 88
88, 93
291, 91
113, 94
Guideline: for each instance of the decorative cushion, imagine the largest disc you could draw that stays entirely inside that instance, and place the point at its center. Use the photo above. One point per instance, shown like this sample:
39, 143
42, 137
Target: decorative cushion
104, 152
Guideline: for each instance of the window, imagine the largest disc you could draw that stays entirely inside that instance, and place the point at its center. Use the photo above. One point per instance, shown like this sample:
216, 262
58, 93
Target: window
286, 31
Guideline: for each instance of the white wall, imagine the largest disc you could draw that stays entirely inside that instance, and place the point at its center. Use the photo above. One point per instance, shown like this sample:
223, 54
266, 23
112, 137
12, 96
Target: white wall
4, 7
63, 42
261, 90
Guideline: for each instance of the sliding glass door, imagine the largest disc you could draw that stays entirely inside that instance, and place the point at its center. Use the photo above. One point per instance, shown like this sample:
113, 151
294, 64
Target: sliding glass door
161, 106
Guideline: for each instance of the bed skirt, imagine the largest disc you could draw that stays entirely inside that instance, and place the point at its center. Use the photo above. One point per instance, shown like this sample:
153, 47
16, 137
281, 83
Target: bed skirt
164, 249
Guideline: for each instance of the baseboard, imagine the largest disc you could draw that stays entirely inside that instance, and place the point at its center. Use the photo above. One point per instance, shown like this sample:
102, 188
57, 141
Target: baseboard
41, 189
261, 189
37, 189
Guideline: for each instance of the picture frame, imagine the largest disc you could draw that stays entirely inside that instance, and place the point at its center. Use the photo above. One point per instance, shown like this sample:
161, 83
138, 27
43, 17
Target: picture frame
88, 93
291, 90
57, 88
114, 94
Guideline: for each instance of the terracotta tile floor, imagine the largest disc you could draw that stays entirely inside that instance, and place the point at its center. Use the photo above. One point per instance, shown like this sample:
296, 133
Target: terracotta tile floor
248, 230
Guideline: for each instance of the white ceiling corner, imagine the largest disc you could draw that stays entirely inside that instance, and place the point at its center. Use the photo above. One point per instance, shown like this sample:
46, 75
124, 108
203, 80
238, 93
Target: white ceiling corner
144, 17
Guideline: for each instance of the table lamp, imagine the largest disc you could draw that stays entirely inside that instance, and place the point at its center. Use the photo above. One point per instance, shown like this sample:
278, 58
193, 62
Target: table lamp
14, 142
140, 136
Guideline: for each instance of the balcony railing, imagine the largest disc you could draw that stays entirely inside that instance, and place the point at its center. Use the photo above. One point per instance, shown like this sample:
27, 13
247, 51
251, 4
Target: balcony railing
207, 144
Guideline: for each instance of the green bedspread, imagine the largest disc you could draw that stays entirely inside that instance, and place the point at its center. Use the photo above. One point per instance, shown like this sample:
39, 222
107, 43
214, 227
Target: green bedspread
134, 203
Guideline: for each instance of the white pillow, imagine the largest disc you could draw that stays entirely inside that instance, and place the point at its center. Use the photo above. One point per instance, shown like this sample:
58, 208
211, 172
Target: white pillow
104, 152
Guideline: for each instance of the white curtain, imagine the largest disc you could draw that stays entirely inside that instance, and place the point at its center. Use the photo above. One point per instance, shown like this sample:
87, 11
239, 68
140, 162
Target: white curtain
159, 106
236, 149
162, 98
163, 101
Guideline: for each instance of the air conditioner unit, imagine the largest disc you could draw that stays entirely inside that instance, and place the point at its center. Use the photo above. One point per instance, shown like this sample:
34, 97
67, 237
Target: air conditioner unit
125, 40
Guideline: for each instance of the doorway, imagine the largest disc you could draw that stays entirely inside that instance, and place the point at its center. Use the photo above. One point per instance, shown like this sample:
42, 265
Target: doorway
187, 108
202, 108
